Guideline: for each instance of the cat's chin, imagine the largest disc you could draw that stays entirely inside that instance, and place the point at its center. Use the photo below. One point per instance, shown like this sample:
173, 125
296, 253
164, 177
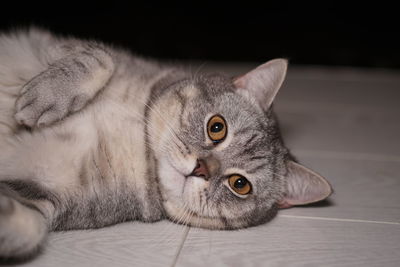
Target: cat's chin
173, 175
181, 215
176, 189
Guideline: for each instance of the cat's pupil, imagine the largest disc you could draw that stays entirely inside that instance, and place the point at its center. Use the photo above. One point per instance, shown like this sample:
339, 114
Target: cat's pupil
240, 183
217, 127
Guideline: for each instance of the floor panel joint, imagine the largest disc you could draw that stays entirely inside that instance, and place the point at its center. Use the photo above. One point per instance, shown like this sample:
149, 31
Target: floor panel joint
336, 219
180, 247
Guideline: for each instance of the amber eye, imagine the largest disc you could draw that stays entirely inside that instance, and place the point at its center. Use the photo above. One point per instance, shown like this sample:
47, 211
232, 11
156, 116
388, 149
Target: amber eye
216, 128
239, 184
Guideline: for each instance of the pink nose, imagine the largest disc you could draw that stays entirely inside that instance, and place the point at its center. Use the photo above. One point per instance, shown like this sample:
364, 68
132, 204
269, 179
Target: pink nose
201, 170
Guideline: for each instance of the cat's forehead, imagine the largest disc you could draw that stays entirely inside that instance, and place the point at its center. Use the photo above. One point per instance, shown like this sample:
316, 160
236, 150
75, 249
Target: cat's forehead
208, 86
214, 83
250, 130
218, 93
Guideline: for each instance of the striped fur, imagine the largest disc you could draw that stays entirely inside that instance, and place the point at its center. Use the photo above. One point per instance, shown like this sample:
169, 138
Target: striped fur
91, 136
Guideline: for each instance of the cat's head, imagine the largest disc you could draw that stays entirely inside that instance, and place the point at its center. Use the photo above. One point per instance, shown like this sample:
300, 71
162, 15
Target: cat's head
220, 157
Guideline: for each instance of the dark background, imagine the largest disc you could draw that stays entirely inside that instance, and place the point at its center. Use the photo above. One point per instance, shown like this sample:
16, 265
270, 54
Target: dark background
323, 33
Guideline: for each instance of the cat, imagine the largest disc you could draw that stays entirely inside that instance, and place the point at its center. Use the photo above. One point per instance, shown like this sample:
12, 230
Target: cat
92, 135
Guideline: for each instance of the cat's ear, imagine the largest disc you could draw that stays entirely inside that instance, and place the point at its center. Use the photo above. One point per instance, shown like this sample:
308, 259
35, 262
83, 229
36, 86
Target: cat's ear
263, 83
303, 186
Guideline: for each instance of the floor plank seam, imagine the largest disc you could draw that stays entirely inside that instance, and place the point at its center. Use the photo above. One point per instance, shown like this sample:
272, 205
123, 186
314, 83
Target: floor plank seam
347, 155
180, 247
336, 219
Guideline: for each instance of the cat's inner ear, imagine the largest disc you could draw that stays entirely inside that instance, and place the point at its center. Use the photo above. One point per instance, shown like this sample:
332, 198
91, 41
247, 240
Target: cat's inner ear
263, 83
303, 186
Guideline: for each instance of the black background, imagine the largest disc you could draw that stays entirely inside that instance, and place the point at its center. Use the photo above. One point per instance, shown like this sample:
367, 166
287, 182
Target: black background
323, 32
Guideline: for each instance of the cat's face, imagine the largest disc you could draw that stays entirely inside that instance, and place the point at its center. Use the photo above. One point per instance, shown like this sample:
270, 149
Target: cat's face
221, 162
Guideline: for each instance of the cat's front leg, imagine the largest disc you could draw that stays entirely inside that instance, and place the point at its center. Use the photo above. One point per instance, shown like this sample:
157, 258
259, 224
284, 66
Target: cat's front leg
64, 88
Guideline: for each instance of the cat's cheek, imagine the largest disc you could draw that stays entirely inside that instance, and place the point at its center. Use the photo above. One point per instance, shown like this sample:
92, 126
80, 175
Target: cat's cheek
172, 182
193, 193
183, 164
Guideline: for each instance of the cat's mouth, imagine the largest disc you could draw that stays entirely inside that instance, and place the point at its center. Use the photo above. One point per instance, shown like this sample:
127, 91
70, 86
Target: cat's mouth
182, 189
200, 170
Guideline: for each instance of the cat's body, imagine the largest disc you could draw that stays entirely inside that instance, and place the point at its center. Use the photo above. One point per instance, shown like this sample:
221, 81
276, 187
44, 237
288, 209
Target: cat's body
92, 136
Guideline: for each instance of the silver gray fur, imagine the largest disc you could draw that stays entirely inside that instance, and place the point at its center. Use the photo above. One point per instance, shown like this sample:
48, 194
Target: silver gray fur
91, 135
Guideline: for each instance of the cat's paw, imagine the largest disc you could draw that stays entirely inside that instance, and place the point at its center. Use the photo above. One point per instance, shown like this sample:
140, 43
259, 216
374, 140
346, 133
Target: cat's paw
49, 98
22, 229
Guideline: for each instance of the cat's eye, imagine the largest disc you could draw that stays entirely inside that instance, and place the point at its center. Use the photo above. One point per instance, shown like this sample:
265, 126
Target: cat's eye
217, 128
239, 184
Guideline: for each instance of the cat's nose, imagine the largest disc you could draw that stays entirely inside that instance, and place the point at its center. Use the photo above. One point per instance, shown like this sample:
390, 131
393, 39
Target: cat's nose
201, 170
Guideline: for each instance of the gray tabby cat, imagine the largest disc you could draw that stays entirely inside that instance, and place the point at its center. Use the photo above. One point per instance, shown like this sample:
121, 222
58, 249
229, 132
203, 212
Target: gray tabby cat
91, 136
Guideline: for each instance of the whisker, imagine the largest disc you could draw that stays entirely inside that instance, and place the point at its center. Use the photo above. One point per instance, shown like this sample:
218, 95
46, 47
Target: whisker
136, 115
165, 234
157, 112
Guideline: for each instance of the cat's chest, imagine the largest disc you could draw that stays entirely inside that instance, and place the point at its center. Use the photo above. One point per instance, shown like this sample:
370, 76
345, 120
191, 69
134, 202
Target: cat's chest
122, 148
122, 140
123, 156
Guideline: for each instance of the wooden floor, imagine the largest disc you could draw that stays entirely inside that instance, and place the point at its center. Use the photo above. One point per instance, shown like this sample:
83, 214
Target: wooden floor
343, 123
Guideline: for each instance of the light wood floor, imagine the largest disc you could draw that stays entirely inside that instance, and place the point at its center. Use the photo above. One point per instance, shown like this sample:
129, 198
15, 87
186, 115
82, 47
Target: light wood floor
343, 123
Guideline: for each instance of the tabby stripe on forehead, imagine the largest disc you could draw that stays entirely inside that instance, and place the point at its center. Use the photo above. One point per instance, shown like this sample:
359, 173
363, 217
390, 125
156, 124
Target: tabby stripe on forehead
259, 167
243, 131
250, 148
251, 138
